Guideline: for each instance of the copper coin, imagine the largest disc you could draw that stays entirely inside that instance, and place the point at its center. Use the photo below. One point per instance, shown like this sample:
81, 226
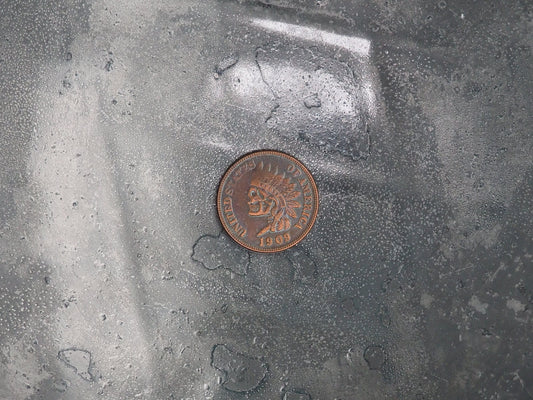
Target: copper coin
267, 201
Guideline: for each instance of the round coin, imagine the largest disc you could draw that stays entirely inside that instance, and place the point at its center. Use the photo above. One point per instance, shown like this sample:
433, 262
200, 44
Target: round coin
267, 201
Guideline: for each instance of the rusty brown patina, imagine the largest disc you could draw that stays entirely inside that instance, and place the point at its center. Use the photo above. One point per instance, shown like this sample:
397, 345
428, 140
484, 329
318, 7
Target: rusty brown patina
267, 201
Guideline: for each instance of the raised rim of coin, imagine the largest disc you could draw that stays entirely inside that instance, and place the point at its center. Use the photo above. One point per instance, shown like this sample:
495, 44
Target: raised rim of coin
238, 162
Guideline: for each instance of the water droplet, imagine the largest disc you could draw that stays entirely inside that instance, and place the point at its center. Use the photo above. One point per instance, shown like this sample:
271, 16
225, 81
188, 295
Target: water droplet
109, 65
297, 395
242, 373
61, 385
215, 252
312, 101
226, 63
79, 360
375, 357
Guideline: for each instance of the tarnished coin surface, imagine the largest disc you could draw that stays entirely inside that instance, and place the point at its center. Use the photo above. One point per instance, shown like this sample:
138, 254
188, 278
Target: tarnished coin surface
267, 201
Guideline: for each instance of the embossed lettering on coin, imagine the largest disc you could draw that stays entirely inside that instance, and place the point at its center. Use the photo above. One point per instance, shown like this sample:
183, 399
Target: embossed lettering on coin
267, 201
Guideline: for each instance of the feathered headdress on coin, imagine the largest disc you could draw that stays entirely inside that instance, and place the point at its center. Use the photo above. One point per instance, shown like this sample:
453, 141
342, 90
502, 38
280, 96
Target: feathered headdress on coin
282, 190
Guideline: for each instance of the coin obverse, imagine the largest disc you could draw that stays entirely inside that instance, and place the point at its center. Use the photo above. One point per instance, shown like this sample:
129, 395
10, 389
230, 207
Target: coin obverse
267, 201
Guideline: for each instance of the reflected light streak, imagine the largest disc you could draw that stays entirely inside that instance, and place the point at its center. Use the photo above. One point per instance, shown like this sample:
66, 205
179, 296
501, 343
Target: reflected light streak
353, 44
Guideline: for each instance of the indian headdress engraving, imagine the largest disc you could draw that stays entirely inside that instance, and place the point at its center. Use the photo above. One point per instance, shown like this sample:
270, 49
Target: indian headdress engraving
272, 196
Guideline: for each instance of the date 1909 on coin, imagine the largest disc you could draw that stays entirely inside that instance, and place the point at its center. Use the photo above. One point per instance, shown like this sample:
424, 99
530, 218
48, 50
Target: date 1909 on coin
267, 201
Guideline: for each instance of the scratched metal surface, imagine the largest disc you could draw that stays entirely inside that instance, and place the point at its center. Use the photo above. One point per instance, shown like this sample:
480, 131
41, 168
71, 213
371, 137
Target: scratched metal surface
117, 120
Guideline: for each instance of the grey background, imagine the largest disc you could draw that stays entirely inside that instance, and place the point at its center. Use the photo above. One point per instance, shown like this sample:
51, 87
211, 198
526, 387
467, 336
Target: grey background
117, 120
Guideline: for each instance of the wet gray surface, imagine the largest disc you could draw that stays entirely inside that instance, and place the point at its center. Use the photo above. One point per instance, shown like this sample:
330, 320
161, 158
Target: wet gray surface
117, 120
